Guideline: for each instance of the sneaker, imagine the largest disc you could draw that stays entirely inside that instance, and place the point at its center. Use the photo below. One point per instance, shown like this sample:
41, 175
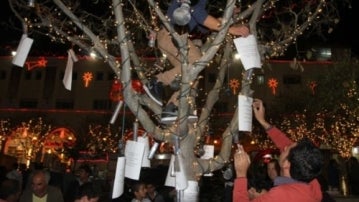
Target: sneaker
170, 113
168, 117
154, 90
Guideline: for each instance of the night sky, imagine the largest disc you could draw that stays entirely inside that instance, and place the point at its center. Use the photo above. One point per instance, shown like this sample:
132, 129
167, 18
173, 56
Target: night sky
346, 34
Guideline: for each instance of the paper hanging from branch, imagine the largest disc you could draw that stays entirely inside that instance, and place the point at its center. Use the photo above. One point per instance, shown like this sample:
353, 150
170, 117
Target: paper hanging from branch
247, 49
134, 154
180, 172
191, 193
118, 184
145, 161
208, 153
245, 113
71, 58
170, 178
22, 50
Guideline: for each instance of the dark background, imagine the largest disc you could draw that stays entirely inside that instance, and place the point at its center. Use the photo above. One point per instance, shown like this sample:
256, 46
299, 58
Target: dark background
345, 35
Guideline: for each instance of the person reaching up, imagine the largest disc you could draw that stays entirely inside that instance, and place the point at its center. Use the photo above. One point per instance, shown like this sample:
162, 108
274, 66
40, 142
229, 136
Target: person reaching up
301, 163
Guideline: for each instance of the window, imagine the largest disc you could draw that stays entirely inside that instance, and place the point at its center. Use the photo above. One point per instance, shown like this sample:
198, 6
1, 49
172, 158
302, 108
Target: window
74, 76
64, 104
38, 75
28, 104
2, 75
292, 79
99, 76
27, 75
101, 104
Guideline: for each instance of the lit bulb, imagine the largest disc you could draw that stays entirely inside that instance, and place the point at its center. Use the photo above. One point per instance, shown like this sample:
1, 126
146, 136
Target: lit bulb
31, 3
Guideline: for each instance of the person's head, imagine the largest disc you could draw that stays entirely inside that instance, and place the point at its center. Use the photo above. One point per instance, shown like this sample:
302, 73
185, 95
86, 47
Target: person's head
87, 193
258, 183
10, 190
39, 182
151, 188
273, 169
305, 161
139, 190
84, 173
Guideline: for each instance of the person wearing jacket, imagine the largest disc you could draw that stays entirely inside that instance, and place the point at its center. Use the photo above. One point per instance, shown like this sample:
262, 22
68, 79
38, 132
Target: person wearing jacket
300, 163
197, 21
41, 190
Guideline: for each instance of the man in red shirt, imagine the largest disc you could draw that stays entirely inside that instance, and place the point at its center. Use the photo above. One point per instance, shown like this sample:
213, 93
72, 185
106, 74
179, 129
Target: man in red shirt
300, 163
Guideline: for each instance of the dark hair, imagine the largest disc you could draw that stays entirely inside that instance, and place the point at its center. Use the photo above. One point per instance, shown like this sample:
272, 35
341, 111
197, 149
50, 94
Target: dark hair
43, 172
9, 187
87, 189
86, 168
136, 186
306, 161
276, 165
257, 178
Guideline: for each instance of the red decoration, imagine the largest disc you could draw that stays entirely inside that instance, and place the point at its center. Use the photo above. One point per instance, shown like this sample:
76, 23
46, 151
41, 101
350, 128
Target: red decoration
116, 91
87, 77
312, 85
41, 62
234, 84
137, 86
273, 84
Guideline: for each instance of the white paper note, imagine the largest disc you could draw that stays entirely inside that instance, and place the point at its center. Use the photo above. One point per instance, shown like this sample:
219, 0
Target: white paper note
134, 154
67, 80
119, 178
192, 192
245, 113
170, 179
247, 49
22, 50
208, 153
145, 161
181, 177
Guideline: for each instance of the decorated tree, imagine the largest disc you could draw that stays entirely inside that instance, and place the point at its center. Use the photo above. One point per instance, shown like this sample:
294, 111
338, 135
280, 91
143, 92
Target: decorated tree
118, 32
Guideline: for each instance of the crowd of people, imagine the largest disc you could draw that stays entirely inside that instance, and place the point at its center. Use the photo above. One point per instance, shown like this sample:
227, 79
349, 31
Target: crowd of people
296, 175
41, 184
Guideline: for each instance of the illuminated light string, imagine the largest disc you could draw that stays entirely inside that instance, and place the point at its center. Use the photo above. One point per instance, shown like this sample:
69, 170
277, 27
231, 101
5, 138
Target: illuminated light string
139, 21
341, 135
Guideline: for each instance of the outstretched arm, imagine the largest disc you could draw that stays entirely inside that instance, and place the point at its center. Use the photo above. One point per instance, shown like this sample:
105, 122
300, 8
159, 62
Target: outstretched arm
241, 165
213, 23
279, 138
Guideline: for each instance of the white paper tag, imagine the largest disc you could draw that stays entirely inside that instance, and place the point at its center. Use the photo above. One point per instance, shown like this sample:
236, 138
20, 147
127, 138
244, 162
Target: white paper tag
134, 154
247, 49
245, 113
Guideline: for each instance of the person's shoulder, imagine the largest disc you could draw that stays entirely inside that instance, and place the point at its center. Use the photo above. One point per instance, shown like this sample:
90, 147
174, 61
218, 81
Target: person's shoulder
52, 188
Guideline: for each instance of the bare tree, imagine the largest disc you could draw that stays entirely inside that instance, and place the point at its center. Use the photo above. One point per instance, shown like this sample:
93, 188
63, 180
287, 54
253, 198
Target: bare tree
119, 28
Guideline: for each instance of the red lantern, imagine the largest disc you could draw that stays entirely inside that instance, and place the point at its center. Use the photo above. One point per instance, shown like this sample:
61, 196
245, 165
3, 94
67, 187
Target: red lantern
116, 91
137, 86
